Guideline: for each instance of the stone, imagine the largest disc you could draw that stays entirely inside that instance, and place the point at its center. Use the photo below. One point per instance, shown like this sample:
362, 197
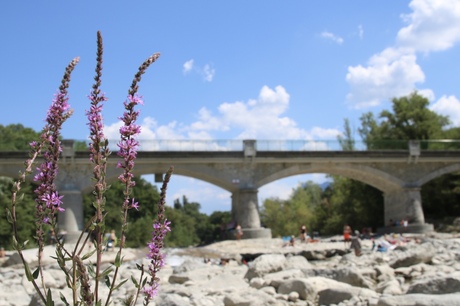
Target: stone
265, 264
416, 254
249, 298
353, 277
256, 282
338, 293
421, 300
296, 262
392, 287
275, 279
449, 283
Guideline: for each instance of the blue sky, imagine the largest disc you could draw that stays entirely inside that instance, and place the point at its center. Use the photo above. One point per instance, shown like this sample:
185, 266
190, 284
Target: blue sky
258, 69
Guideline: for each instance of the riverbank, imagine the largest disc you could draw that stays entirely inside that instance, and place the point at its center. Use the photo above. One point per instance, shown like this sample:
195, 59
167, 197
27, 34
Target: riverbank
425, 270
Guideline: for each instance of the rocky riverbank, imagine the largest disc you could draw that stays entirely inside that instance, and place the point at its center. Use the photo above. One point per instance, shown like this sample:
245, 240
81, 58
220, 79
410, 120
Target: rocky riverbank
422, 271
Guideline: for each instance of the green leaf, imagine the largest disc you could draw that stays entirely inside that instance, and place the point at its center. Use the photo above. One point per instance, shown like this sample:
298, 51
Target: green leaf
106, 272
49, 299
139, 267
120, 284
63, 299
107, 281
36, 273
88, 255
136, 284
118, 260
28, 272
91, 271
15, 244
143, 283
9, 217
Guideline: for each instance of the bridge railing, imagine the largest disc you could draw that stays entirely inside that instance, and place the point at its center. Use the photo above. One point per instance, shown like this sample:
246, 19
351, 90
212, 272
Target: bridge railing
260, 145
288, 145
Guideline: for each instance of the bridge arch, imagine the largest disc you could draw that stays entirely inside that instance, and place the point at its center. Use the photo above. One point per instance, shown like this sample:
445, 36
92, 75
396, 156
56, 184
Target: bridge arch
371, 176
437, 173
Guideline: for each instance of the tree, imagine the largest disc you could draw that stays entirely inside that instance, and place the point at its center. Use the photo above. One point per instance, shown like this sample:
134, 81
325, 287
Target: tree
347, 140
284, 217
411, 119
16, 137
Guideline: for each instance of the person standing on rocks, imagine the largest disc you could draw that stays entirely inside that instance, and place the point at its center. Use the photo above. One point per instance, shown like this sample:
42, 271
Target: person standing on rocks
238, 232
303, 233
346, 235
356, 243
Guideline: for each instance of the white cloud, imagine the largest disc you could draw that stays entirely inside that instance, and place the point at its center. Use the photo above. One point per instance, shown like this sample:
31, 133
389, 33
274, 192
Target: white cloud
208, 73
187, 67
391, 73
360, 31
331, 36
433, 25
448, 106
262, 118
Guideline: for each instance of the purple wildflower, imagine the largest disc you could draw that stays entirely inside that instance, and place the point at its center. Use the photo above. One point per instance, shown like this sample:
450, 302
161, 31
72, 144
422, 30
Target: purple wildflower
161, 227
134, 205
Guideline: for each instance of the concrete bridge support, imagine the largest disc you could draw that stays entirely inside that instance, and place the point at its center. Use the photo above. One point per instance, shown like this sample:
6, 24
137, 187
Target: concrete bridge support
71, 221
405, 203
245, 211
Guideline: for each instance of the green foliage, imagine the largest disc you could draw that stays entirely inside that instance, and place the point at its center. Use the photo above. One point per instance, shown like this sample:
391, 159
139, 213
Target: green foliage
25, 212
284, 217
189, 226
16, 137
139, 222
411, 119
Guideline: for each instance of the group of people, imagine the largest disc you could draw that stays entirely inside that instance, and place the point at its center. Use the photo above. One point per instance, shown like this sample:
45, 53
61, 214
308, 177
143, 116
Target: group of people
403, 222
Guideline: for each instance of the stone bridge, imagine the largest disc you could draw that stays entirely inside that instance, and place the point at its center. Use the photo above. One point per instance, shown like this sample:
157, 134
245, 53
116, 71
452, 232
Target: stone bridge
399, 174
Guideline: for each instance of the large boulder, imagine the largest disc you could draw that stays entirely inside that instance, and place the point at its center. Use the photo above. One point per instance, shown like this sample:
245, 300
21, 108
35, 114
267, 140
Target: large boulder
413, 255
391, 286
275, 279
266, 264
353, 277
250, 298
296, 262
437, 285
328, 290
420, 300
337, 294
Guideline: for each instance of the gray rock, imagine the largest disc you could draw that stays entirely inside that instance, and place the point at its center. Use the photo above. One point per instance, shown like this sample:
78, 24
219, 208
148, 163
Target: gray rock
256, 282
296, 262
353, 277
416, 254
437, 285
265, 264
250, 298
172, 299
421, 300
293, 296
392, 287
339, 293
275, 279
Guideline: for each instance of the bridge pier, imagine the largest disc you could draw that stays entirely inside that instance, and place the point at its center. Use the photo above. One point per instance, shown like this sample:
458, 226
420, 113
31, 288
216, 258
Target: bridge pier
404, 203
71, 221
245, 211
